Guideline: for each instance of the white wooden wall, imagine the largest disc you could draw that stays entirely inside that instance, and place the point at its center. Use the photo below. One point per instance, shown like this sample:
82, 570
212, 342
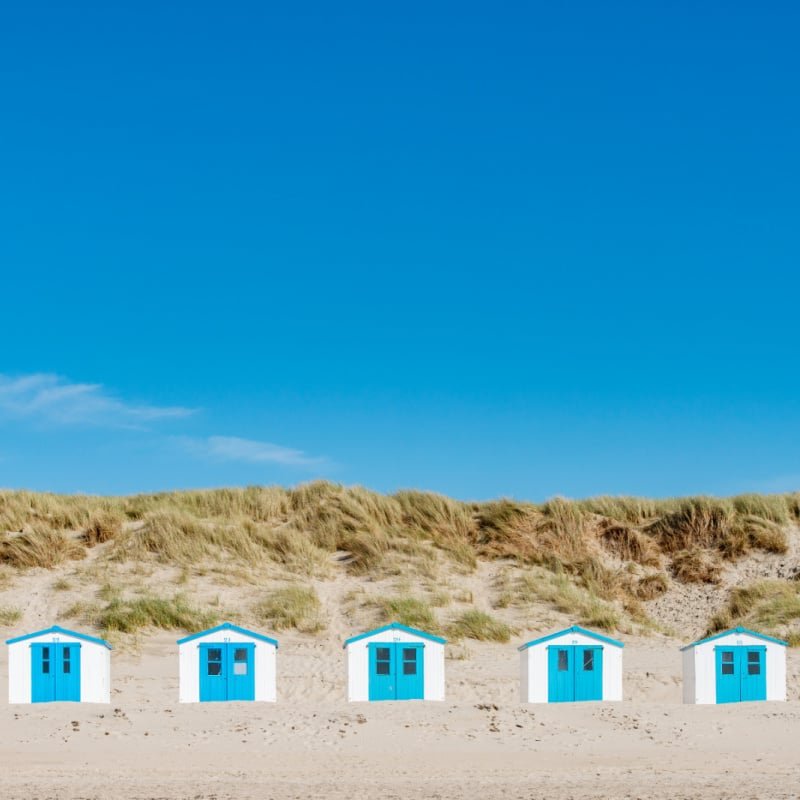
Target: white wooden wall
700, 668
357, 664
265, 665
95, 668
534, 667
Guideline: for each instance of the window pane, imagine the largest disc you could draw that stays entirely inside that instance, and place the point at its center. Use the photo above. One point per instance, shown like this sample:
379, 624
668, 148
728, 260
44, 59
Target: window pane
214, 668
382, 667
240, 668
588, 660
240, 654
409, 668
409, 654
66, 667
45, 667
45, 652
727, 669
753, 663
563, 660
215, 654
67, 653
382, 653
727, 656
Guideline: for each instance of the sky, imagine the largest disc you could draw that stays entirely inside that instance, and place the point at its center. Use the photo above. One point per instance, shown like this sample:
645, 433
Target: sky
485, 249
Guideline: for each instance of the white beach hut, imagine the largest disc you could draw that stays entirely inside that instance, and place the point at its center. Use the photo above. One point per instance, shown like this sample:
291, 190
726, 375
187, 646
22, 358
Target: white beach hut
227, 663
57, 664
734, 666
571, 665
395, 662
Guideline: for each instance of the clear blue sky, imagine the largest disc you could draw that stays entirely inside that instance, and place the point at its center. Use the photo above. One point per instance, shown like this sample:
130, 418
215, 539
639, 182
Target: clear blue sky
516, 249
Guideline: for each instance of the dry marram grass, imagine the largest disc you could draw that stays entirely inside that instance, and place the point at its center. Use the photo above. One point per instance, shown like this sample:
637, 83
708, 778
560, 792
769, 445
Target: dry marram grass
597, 558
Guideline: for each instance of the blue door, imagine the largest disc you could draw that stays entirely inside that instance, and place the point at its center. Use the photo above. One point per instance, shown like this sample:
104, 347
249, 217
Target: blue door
55, 672
741, 673
588, 673
410, 666
227, 672
213, 675
241, 677
396, 671
754, 673
574, 672
560, 674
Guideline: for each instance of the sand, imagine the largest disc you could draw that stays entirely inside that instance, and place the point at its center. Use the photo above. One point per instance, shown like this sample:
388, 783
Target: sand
480, 743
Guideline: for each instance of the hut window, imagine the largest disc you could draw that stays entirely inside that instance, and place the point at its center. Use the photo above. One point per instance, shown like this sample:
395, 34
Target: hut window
240, 661
727, 662
383, 660
754, 663
66, 661
563, 661
588, 660
214, 660
45, 660
409, 661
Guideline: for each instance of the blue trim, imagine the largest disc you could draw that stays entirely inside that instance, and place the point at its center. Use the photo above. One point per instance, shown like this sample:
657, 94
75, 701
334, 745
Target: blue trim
573, 629
59, 629
730, 631
395, 626
229, 626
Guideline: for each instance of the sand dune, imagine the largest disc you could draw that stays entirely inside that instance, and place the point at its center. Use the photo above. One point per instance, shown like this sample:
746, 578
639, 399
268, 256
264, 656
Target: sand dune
480, 743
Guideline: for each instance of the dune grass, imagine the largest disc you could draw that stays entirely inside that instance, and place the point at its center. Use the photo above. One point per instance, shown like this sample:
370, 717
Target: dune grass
476, 624
609, 550
40, 546
131, 615
696, 566
649, 587
103, 526
414, 612
9, 615
770, 606
291, 606
564, 595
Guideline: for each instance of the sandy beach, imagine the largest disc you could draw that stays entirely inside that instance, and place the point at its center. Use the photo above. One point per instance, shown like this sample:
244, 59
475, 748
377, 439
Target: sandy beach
480, 743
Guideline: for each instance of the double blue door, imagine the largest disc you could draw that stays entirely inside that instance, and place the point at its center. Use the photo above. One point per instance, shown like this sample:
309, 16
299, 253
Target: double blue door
396, 671
227, 671
741, 673
575, 672
55, 672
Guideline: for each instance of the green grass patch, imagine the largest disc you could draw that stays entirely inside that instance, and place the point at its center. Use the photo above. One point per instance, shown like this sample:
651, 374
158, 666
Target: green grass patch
132, 615
293, 606
475, 624
407, 610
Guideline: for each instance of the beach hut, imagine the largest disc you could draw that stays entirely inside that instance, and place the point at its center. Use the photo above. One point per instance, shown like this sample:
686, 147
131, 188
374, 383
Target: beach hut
227, 663
571, 665
57, 664
395, 662
734, 666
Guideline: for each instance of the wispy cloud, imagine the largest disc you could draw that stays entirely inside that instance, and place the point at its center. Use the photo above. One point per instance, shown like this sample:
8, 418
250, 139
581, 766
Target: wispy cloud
50, 398
234, 448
